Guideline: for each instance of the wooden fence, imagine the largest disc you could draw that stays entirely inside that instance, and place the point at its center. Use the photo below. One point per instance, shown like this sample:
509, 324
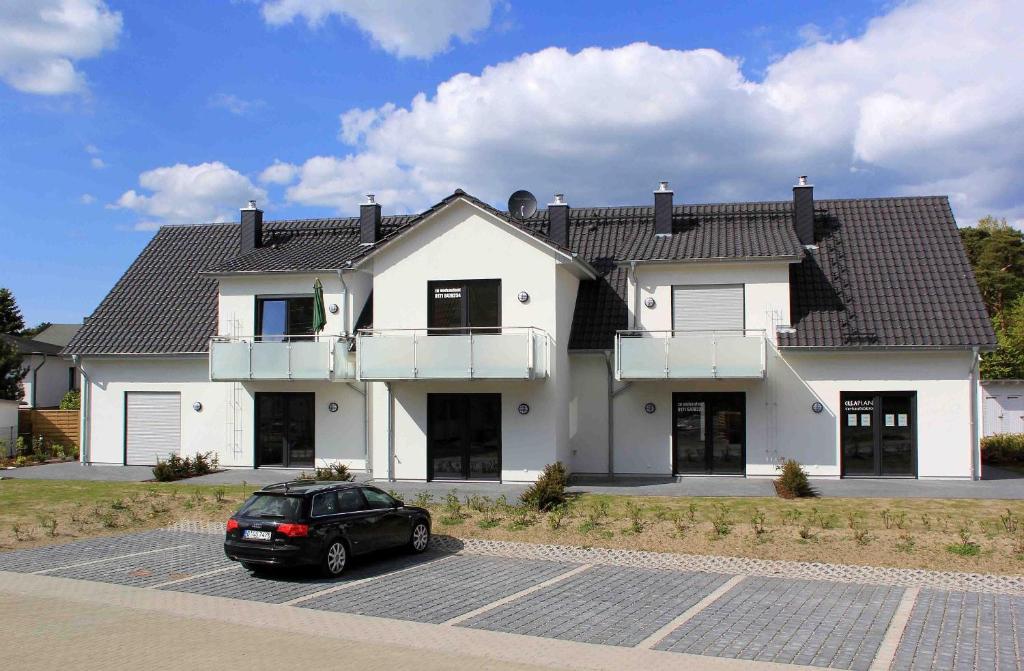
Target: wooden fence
56, 426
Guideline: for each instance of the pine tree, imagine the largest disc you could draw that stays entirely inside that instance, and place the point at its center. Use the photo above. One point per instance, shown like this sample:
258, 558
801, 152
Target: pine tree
11, 320
11, 372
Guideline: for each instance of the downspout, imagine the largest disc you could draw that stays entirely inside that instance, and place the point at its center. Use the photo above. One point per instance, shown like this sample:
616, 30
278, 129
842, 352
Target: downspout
391, 432
35, 385
344, 303
86, 400
975, 438
612, 393
366, 423
636, 295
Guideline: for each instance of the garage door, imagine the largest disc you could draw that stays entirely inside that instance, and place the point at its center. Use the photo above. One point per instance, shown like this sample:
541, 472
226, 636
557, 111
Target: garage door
152, 426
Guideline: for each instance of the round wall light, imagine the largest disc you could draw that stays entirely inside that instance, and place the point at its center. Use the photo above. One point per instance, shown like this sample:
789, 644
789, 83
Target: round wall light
649, 408
524, 409
817, 407
197, 406
523, 297
649, 302
333, 308
332, 406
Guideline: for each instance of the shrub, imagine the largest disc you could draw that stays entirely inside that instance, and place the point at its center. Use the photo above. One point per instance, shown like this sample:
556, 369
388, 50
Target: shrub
176, 468
792, 482
1003, 448
721, 522
759, 523
71, 401
549, 489
966, 547
635, 513
556, 516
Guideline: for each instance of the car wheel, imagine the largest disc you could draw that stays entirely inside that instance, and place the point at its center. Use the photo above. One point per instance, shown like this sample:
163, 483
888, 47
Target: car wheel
335, 558
420, 538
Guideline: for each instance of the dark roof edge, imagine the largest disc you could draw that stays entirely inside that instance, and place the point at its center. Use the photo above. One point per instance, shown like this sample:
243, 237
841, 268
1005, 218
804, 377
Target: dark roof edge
135, 355
788, 258
876, 348
290, 271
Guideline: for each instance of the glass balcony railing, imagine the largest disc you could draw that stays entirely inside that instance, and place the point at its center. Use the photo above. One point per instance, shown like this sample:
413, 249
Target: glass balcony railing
694, 355
452, 354
234, 359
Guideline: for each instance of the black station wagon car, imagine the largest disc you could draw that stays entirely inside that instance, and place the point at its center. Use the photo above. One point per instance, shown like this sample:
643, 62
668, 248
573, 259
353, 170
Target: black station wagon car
322, 524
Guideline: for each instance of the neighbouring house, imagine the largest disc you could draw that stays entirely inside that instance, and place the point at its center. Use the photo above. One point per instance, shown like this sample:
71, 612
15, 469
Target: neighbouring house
51, 374
1003, 406
461, 343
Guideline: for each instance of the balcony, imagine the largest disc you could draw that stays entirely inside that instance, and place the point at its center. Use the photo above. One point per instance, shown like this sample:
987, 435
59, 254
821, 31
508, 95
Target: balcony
689, 355
452, 354
239, 359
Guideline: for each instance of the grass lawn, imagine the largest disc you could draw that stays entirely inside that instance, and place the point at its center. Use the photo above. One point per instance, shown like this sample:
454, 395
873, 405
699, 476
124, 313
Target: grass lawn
912, 533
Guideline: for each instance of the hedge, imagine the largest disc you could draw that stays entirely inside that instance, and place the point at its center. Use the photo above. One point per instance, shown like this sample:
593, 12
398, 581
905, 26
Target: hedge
1003, 448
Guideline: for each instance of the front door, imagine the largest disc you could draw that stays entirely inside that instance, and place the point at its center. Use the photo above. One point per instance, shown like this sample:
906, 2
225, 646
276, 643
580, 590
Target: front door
464, 436
285, 429
879, 435
709, 433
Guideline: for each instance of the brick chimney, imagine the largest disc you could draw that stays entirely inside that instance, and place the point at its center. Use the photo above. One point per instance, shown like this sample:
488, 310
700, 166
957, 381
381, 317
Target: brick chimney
251, 236
369, 221
663, 210
803, 211
558, 221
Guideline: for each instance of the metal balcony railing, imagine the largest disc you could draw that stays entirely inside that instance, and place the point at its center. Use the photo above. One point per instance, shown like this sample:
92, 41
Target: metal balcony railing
500, 353
694, 355
240, 358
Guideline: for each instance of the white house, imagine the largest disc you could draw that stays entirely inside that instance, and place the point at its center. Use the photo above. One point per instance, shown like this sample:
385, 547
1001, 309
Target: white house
462, 343
51, 374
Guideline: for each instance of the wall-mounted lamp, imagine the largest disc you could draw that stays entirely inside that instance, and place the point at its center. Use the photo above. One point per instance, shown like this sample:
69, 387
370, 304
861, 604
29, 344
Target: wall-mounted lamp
649, 302
333, 308
332, 407
524, 409
197, 406
649, 408
523, 297
817, 407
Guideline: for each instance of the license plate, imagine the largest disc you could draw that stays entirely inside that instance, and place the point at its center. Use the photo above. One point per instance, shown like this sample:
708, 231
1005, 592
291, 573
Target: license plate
253, 535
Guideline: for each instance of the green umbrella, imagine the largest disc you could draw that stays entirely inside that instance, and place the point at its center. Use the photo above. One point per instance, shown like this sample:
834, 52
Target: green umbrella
319, 315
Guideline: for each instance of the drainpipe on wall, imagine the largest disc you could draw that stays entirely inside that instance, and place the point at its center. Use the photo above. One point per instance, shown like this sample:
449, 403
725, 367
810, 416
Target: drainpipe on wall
391, 432
636, 295
344, 303
612, 393
975, 438
366, 422
86, 399
35, 383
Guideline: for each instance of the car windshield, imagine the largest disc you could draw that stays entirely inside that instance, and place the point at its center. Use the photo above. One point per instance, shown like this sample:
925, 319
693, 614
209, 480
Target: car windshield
273, 506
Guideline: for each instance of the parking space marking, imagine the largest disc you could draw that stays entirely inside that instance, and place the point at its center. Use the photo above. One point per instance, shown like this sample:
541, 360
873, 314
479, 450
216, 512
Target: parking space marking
887, 651
106, 559
362, 581
193, 577
512, 597
655, 638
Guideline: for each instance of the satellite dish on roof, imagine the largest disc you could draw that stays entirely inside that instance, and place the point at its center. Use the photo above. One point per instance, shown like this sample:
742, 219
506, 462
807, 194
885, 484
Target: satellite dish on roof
522, 205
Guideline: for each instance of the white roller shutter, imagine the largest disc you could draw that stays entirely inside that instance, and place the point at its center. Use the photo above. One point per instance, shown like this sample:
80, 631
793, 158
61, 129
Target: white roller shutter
707, 307
152, 426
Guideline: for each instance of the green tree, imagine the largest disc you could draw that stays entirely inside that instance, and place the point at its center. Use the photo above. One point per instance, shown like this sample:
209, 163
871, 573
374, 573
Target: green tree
1007, 362
11, 371
996, 251
11, 320
36, 330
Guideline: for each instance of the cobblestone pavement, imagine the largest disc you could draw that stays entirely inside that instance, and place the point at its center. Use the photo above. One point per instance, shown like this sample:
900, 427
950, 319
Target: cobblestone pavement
722, 614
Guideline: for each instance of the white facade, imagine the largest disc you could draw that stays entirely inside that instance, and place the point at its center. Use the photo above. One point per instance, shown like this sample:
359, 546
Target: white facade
49, 377
578, 412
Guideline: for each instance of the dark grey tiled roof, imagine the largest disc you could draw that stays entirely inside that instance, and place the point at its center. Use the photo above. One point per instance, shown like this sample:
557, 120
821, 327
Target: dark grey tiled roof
167, 301
888, 272
29, 345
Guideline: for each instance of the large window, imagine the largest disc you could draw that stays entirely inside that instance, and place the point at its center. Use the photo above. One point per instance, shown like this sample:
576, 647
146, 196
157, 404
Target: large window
458, 306
879, 433
281, 316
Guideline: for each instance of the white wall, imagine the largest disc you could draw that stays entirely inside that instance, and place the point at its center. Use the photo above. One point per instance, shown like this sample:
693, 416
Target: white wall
765, 295
237, 302
462, 243
588, 414
339, 436
8, 421
50, 381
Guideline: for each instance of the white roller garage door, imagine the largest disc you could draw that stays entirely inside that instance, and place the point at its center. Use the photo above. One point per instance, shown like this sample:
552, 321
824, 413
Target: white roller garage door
152, 426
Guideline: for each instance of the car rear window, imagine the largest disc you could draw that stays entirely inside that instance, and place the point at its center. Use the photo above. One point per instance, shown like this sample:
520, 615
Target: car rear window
272, 506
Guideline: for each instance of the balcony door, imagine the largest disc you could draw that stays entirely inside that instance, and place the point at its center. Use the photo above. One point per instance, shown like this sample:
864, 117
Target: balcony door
461, 306
709, 433
281, 316
285, 429
464, 436
879, 434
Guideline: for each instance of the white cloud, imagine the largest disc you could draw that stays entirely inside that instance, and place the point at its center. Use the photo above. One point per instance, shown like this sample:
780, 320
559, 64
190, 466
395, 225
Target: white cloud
97, 163
930, 96
234, 104
41, 39
87, 199
812, 33
405, 28
92, 149
189, 194
279, 173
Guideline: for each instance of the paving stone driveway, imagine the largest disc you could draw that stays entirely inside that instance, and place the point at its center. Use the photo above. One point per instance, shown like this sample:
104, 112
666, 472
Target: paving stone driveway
819, 623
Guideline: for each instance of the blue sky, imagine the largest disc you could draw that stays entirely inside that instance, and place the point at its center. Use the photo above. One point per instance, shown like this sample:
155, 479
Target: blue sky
134, 115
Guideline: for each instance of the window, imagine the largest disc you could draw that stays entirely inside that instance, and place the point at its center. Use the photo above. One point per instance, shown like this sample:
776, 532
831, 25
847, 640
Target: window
707, 307
72, 380
457, 306
284, 316
376, 499
272, 506
324, 504
349, 501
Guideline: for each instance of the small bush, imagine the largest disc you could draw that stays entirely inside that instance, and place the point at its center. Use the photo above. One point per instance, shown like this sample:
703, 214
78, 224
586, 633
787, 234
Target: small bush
862, 537
1003, 448
759, 523
792, 482
177, 468
549, 489
721, 522
1009, 521
71, 401
966, 547
635, 513
422, 499
905, 543
556, 516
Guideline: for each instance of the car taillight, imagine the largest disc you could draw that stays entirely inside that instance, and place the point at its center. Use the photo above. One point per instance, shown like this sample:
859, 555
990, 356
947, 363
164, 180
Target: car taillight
293, 530
232, 525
